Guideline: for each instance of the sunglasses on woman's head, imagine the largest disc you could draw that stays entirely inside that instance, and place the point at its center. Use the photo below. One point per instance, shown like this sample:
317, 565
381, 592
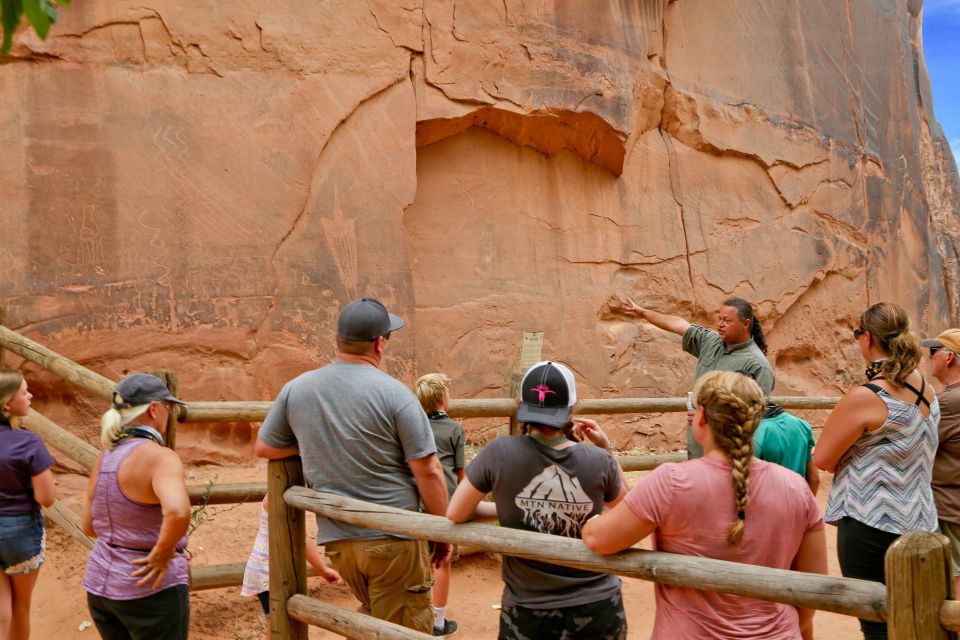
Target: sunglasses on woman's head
858, 332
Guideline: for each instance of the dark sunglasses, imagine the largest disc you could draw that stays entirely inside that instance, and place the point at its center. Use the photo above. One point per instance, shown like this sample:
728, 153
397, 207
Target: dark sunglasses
858, 332
933, 351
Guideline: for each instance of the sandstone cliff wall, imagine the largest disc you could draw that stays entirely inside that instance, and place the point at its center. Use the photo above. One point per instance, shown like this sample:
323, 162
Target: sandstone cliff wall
201, 186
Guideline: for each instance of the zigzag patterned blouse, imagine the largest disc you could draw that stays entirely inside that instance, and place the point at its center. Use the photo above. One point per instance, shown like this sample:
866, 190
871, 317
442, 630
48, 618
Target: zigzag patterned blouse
883, 480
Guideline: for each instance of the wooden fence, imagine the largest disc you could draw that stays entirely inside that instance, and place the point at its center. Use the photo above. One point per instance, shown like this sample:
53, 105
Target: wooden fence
915, 604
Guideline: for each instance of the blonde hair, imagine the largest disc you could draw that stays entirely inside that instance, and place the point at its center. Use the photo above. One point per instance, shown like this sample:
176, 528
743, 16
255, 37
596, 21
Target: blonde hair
431, 389
114, 420
10, 381
733, 407
889, 326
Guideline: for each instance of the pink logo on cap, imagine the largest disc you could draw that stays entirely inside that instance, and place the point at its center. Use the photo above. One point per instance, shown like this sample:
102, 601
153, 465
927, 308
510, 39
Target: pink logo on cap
542, 391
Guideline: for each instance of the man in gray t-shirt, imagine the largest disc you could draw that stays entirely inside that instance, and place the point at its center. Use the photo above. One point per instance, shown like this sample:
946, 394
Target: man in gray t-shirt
362, 434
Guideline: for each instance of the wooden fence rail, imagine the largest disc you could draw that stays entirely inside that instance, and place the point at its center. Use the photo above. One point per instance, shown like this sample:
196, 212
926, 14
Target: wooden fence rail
256, 411
56, 364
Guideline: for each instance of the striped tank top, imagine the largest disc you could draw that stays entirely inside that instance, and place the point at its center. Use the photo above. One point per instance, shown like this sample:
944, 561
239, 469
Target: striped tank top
883, 479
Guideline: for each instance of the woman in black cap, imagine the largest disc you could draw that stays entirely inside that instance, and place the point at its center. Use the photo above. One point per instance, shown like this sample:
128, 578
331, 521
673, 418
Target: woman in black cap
545, 481
137, 506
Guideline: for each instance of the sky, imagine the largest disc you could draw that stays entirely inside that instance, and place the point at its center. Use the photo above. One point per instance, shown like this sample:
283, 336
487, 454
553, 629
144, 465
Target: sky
941, 49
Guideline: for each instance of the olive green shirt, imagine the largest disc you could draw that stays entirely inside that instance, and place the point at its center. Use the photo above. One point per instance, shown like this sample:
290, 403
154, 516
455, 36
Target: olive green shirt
714, 355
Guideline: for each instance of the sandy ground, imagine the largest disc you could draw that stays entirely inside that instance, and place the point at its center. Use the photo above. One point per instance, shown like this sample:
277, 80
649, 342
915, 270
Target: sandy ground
226, 535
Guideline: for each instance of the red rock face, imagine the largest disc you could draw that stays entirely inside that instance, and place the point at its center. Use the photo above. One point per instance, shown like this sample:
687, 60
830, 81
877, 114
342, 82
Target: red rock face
202, 187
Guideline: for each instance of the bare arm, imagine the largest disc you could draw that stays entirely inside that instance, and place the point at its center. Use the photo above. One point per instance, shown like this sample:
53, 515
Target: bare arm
315, 560
168, 485
811, 558
432, 486
813, 477
44, 490
859, 410
465, 502
431, 483
460, 474
86, 517
615, 530
262, 450
673, 324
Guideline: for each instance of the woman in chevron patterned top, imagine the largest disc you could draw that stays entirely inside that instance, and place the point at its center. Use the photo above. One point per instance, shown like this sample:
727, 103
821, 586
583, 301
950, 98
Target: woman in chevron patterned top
880, 442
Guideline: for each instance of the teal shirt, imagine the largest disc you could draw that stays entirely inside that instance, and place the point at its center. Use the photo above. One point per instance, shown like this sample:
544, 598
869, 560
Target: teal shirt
714, 355
785, 440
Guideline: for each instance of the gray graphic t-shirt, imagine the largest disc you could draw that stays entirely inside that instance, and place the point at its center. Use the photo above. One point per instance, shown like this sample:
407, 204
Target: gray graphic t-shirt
555, 491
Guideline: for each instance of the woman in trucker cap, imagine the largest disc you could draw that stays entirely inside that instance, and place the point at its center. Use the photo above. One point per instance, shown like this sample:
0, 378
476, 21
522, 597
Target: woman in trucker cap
137, 507
546, 481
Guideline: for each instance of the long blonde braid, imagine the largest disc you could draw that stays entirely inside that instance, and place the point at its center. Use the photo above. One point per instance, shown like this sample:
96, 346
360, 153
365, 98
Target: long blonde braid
733, 406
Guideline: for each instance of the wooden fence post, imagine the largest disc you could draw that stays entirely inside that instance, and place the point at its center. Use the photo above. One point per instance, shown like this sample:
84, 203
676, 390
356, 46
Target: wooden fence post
173, 384
287, 549
919, 580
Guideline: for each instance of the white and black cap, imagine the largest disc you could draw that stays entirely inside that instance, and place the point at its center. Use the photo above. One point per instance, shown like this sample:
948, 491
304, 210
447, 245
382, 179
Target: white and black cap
366, 319
547, 395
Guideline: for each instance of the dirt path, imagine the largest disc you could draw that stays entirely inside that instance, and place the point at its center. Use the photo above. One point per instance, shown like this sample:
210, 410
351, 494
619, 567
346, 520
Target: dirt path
226, 535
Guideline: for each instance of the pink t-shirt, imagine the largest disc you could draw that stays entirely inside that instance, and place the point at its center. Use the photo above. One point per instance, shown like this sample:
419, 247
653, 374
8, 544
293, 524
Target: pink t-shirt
692, 504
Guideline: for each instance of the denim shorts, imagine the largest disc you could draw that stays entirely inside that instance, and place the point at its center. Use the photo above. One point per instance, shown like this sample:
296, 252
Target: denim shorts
22, 542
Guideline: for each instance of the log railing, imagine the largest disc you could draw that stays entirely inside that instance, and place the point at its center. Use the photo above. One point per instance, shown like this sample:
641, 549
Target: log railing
915, 605
490, 407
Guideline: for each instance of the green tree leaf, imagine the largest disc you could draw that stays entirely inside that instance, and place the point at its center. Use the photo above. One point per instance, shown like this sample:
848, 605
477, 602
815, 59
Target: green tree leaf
38, 15
41, 14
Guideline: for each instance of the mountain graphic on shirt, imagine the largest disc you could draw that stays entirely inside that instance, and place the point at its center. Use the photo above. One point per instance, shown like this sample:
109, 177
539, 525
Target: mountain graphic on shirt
553, 502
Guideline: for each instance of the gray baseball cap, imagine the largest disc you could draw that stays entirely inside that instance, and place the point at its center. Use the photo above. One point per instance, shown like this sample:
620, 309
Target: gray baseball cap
366, 319
141, 388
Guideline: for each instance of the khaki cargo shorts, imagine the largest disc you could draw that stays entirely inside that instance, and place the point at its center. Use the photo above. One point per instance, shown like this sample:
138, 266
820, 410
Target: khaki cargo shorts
390, 577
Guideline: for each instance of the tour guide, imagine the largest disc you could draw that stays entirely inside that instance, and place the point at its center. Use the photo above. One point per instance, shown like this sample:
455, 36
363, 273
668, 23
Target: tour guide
736, 345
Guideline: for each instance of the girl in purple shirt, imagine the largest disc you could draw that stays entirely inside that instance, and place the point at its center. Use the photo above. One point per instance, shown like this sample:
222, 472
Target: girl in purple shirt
26, 482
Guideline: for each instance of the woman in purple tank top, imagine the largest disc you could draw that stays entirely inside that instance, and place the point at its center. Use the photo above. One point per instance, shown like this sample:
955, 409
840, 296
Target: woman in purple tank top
137, 577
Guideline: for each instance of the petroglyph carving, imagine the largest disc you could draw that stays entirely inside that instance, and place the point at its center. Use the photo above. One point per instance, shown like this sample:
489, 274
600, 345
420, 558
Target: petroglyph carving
341, 234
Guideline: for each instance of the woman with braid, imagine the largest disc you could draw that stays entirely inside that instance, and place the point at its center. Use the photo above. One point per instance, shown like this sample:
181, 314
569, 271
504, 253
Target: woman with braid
761, 514
880, 442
